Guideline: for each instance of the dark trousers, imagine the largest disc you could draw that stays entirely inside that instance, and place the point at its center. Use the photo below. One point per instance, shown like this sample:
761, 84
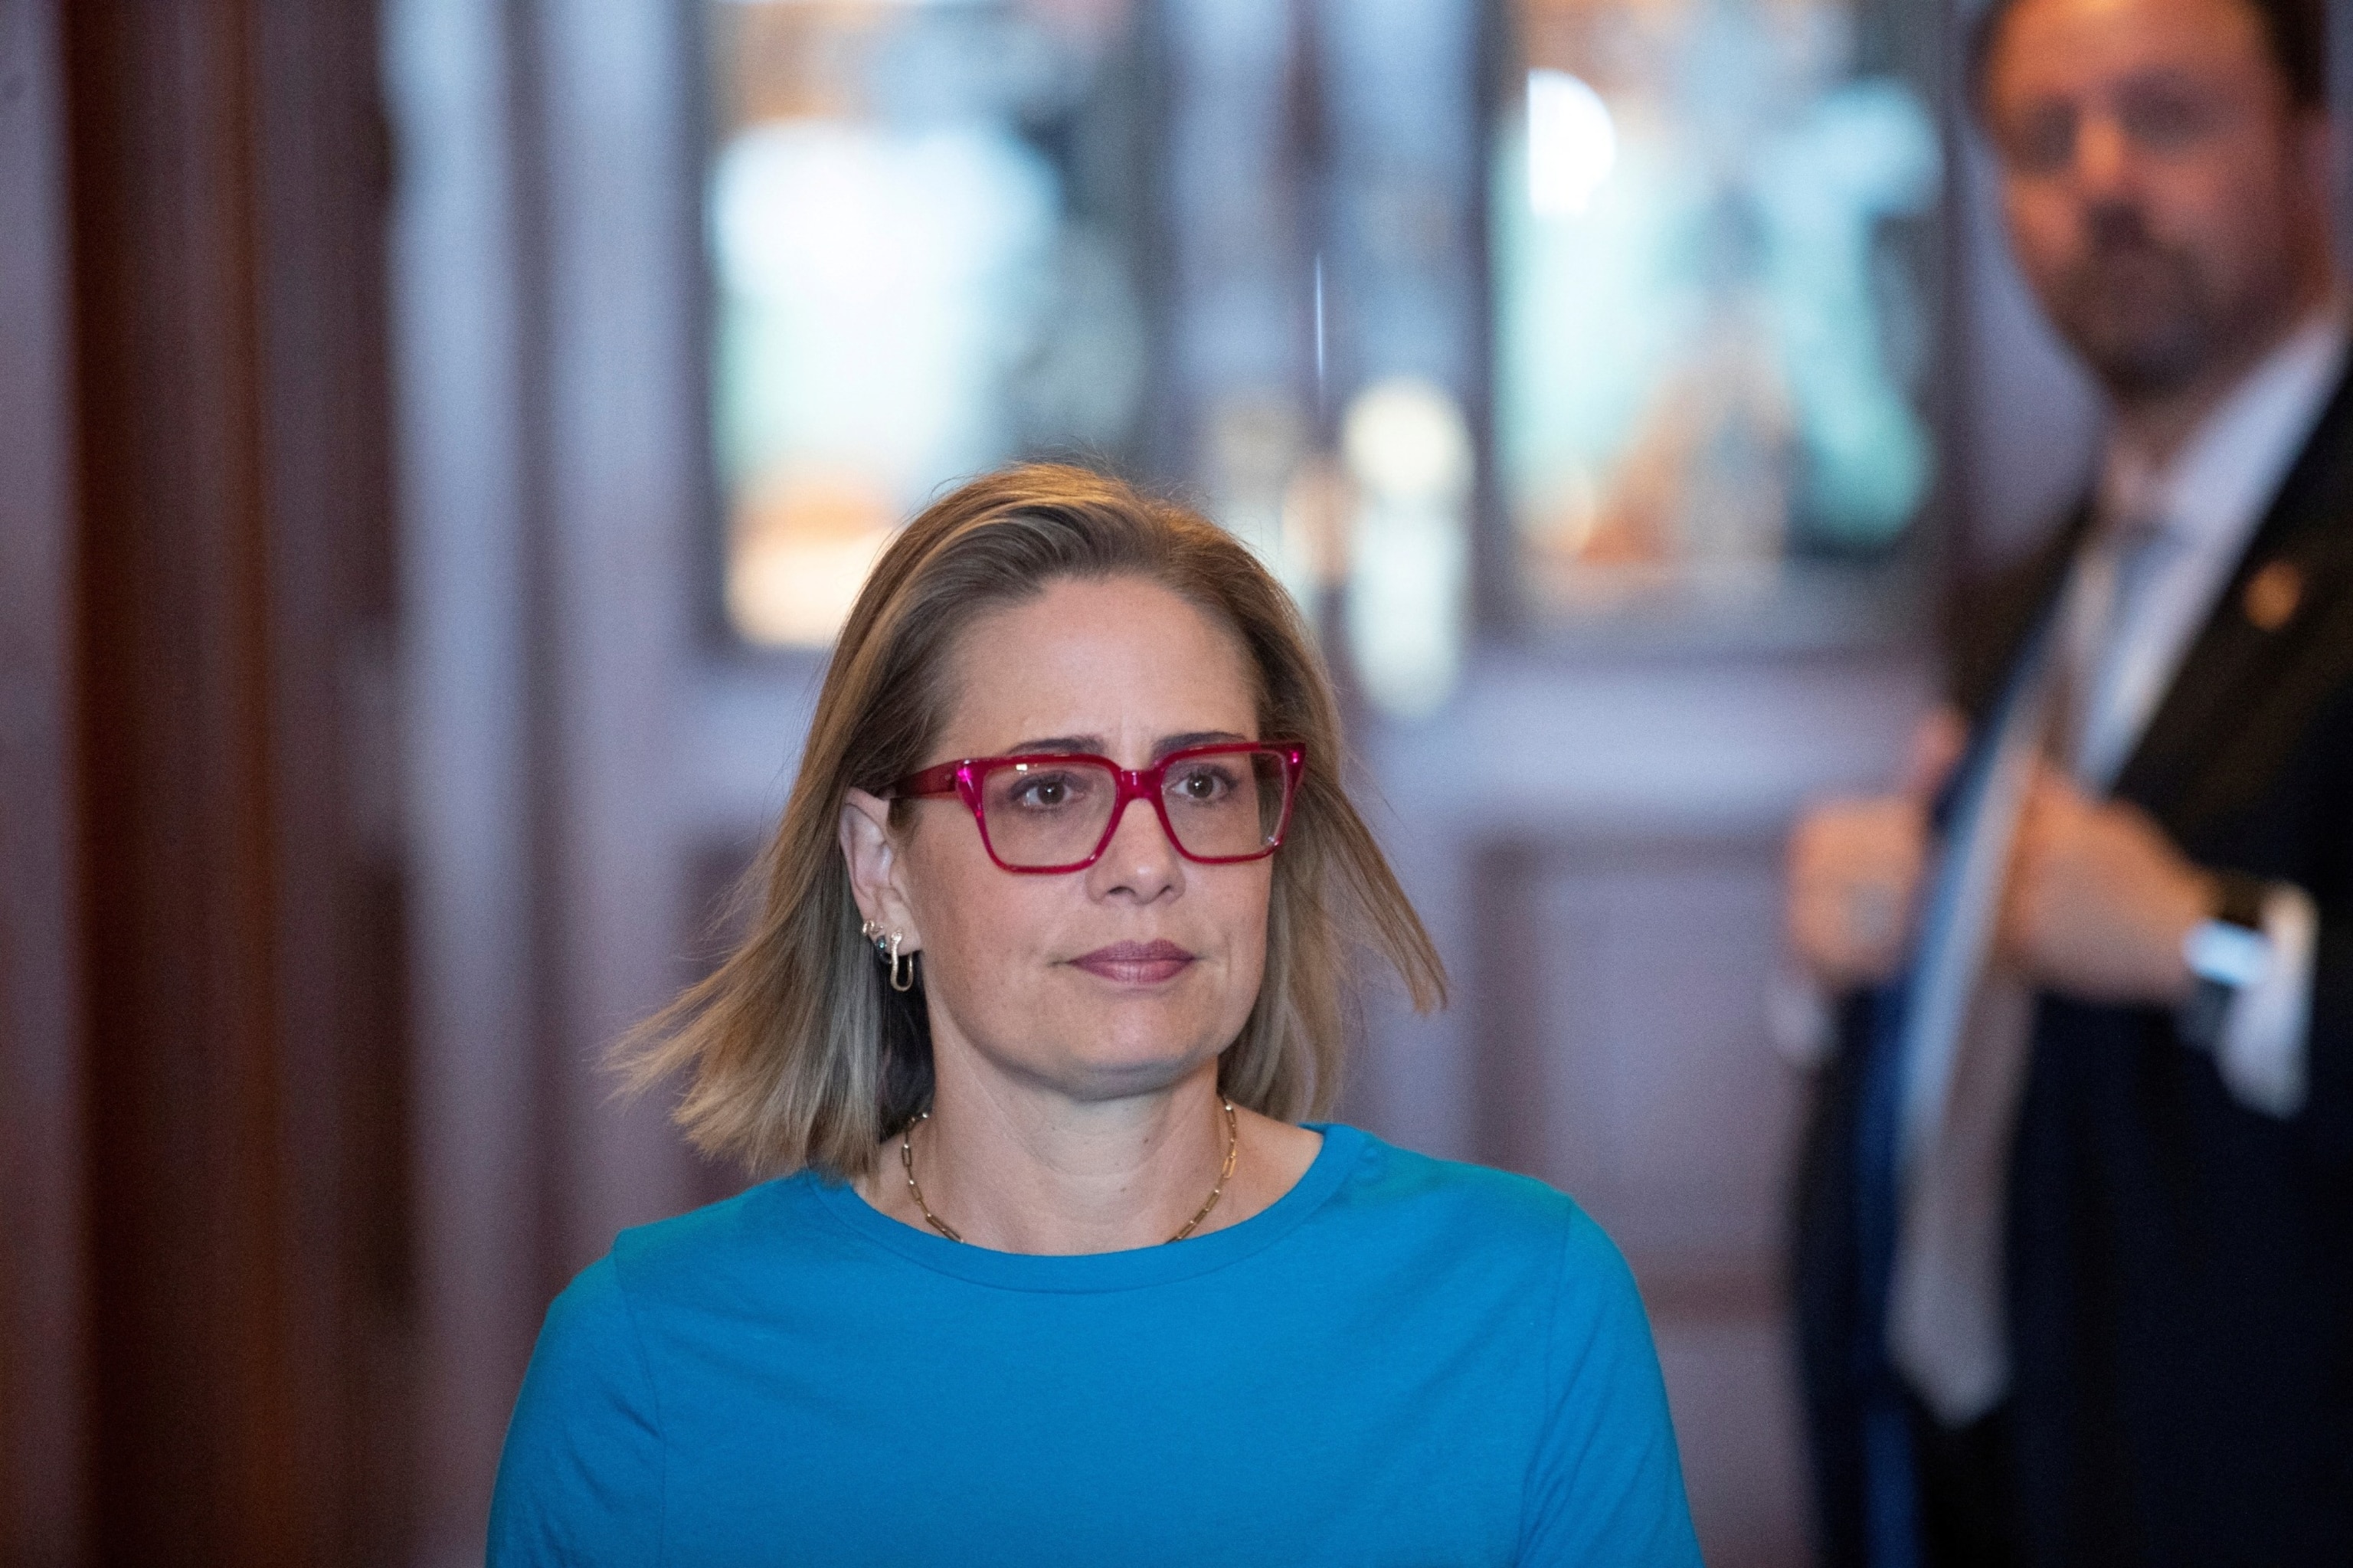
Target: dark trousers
1967, 1511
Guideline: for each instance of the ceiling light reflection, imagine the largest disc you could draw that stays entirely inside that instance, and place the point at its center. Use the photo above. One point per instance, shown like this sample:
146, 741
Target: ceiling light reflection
1572, 144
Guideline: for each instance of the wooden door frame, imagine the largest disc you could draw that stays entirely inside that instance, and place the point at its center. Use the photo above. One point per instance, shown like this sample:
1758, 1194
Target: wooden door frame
199, 1285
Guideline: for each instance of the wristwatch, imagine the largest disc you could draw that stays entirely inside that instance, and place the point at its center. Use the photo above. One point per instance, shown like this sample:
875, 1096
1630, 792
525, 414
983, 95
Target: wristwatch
2227, 953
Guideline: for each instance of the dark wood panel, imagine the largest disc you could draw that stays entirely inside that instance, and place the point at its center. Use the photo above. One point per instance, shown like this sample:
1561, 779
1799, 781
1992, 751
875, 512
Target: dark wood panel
244, 1322
1622, 1055
1624, 1052
188, 1186
1734, 1389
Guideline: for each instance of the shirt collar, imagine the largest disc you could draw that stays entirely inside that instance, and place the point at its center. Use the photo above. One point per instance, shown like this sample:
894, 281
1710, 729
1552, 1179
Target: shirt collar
2220, 482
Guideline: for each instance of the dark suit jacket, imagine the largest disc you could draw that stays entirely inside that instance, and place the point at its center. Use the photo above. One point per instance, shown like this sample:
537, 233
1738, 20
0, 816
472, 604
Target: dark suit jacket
2180, 1268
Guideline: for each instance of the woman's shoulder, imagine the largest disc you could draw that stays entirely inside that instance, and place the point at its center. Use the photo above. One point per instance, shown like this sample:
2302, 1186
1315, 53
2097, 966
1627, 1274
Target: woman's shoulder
583, 1474
1496, 1245
755, 1233
1476, 1207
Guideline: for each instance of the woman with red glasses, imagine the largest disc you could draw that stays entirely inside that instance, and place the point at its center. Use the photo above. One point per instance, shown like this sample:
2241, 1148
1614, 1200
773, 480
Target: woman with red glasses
1049, 961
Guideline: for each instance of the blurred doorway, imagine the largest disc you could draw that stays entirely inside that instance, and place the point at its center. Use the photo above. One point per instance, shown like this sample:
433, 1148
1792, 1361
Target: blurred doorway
1488, 323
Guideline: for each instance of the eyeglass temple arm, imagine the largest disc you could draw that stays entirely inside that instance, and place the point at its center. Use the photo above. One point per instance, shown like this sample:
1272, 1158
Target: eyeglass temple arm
940, 781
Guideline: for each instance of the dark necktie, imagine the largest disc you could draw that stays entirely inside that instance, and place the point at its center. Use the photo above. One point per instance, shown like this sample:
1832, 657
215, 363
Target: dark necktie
1947, 1056
1947, 1329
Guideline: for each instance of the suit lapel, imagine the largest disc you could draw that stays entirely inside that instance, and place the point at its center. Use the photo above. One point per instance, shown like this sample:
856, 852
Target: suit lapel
2186, 766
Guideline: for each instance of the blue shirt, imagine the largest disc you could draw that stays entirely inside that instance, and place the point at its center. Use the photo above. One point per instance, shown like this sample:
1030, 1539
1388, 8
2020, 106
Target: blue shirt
1401, 1360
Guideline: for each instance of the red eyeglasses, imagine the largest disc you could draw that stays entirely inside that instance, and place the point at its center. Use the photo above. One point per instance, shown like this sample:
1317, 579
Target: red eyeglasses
1218, 804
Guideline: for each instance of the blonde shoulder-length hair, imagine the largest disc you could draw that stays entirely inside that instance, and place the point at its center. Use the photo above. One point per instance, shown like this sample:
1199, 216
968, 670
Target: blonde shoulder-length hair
795, 1052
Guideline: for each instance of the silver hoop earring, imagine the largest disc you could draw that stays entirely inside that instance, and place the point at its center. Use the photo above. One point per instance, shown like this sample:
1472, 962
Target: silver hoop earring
900, 981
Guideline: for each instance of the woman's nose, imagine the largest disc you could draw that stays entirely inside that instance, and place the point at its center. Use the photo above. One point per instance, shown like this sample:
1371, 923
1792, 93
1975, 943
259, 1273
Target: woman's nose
1140, 860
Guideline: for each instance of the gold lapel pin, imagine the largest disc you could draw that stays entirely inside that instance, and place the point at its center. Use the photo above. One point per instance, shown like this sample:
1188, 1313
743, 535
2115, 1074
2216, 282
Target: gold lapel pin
2273, 594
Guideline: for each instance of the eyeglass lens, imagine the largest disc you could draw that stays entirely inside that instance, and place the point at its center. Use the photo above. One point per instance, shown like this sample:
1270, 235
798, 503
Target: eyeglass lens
1053, 814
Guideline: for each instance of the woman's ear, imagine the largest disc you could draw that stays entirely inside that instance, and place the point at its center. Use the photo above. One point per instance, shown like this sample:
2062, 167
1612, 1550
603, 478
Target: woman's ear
872, 854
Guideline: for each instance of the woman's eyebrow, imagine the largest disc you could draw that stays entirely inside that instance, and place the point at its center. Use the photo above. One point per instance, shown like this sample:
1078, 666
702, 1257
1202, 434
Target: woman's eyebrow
1093, 745
1090, 744
1197, 738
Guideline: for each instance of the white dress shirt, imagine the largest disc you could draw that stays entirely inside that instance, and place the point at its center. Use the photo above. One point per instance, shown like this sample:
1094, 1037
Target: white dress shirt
2207, 503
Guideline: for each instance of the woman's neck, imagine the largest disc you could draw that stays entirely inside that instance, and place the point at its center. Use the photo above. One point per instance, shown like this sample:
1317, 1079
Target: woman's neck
1020, 1169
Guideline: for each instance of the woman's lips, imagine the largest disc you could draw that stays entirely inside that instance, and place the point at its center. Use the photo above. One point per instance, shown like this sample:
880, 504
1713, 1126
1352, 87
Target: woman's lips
1136, 963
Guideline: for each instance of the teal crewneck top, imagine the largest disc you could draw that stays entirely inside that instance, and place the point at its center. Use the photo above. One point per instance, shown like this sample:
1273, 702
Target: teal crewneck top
1402, 1360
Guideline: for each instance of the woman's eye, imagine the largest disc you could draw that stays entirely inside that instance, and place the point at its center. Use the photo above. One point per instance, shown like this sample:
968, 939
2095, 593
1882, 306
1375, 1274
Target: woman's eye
1197, 785
1044, 793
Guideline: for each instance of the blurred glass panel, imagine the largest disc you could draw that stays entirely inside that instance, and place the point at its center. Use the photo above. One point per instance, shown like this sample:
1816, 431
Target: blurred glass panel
923, 234
1398, 82
1710, 230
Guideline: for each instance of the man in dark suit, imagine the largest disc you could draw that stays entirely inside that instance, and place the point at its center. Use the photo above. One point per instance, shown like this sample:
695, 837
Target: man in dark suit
2076, 1258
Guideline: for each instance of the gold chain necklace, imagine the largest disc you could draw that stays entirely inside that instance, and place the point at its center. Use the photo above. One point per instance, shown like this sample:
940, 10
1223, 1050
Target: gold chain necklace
1224, 1174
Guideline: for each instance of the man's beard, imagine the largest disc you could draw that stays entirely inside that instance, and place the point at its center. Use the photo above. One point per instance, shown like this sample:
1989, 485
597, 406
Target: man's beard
2142, 312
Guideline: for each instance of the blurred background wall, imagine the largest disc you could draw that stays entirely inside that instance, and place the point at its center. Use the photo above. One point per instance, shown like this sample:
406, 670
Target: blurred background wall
437, 440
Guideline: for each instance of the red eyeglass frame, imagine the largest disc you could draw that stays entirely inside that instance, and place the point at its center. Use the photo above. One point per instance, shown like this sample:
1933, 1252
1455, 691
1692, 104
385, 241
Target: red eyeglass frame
964, 778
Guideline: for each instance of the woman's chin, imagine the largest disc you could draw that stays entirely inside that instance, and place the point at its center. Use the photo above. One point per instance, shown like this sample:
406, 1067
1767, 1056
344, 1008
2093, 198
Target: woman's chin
1094, 1042
1111, 1065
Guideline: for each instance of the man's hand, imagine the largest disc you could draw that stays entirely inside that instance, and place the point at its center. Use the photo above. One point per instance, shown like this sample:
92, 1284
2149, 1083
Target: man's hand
1854, 869
2098, 900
